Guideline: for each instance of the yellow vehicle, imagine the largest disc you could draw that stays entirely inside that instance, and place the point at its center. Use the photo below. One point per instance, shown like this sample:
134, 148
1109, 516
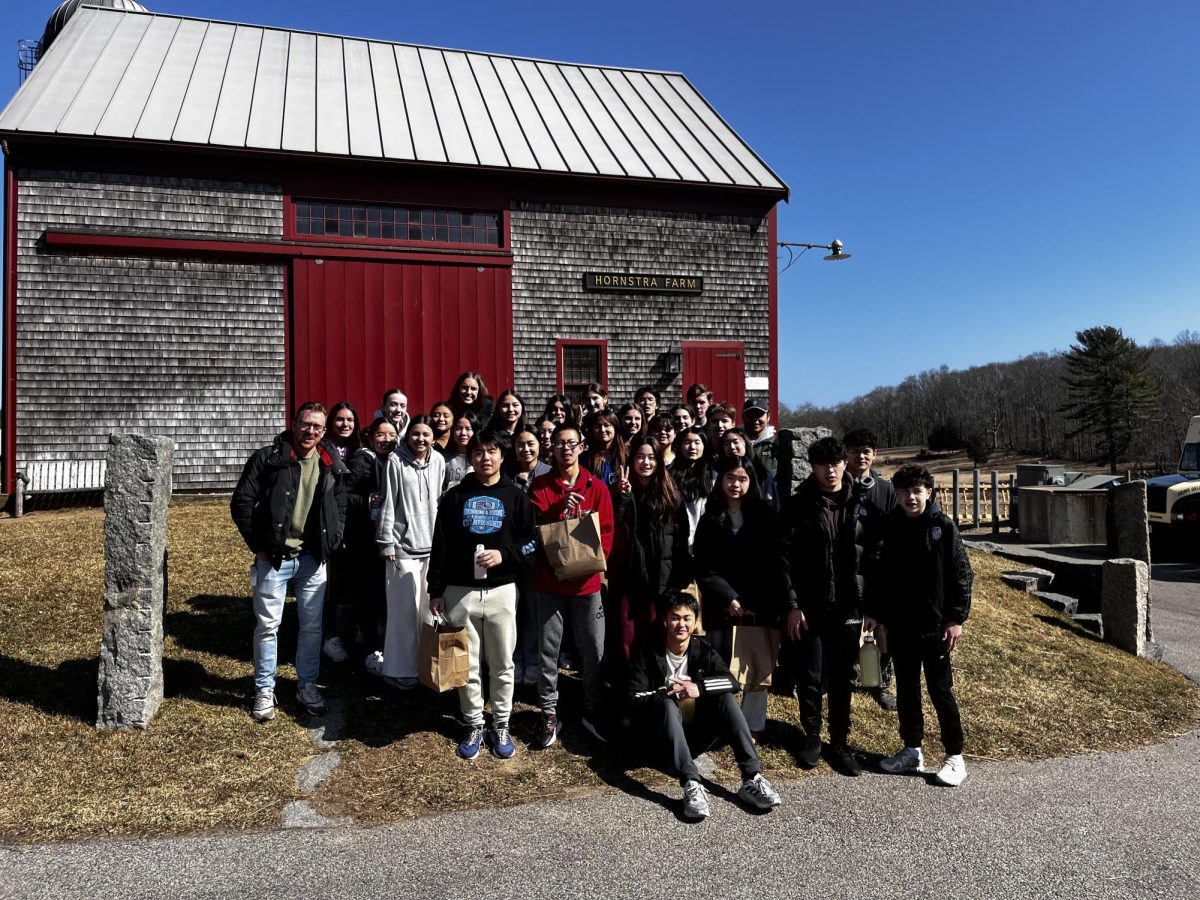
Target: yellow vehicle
1175, 499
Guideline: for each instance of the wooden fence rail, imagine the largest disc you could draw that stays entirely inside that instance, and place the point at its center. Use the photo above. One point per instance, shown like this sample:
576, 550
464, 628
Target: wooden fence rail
965, 508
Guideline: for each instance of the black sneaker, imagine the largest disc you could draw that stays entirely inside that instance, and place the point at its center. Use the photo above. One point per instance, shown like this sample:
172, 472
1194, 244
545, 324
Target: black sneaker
548, 731
810, 753
842, 760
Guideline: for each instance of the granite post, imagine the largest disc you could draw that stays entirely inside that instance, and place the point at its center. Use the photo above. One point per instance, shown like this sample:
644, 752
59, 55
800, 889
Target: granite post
794, 468
1125, 604
1129, 532
137, 491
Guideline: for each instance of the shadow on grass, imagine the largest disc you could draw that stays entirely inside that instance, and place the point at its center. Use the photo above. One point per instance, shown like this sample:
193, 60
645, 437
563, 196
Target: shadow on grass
224, 626
1077, 630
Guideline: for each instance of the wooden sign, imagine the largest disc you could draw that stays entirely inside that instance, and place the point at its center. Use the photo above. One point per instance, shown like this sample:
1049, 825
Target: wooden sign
628, 283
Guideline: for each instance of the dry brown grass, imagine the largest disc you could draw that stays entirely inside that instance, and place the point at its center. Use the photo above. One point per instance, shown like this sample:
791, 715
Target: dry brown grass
1031, 686
203, 764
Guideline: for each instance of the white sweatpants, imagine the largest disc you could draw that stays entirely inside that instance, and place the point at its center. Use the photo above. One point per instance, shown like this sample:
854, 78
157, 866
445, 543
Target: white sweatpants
407, 608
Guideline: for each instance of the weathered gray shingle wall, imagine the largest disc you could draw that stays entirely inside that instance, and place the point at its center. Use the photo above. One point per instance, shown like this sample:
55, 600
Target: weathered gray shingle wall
554, 245
185, 348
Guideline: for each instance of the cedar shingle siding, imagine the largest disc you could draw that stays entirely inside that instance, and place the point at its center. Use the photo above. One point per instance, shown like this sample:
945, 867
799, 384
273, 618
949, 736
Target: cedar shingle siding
554, 245
193, 350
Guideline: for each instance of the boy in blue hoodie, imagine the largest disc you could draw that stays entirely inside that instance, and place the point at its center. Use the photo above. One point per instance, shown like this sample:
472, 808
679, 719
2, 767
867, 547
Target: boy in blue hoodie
919, 588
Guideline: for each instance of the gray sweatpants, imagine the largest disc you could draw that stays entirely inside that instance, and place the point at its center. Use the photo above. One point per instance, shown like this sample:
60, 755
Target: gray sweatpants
587, 624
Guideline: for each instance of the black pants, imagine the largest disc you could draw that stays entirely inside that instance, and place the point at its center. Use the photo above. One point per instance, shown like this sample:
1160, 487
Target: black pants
909, 656
717, 716
824, 660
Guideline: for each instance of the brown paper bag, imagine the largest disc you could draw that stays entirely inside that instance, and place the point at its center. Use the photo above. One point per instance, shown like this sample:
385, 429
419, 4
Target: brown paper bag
443, 659
754, 651
573, 547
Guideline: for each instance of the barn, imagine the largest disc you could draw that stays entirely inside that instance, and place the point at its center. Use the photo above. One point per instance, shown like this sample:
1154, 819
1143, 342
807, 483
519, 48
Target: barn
207, 223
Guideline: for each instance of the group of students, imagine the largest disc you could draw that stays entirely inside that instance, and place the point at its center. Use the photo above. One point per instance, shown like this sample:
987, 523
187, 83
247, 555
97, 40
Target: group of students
435, 515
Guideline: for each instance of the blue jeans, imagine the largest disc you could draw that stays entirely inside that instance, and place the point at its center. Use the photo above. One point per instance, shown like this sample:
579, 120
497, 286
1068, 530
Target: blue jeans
269, 595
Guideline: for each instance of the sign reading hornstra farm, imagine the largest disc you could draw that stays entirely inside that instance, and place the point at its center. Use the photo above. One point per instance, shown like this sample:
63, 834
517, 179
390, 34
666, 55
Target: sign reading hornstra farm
644, 284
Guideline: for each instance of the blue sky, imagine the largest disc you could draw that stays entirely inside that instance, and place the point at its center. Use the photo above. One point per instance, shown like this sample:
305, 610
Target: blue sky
1004, 174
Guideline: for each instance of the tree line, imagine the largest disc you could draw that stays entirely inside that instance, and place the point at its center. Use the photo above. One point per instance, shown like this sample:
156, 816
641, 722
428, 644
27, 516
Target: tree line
1105, 399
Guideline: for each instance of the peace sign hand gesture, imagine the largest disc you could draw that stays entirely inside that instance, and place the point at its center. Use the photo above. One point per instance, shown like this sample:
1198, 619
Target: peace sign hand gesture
623, 483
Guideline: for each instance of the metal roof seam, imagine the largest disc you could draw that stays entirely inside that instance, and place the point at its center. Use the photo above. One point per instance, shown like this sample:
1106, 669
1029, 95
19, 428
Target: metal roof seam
537, 67
595, 127
83, 83
162, 62
191, 75
712, 109
461, 111
221, 89
541, 118
346, 97
253, 89
632, 115
666, 131
487, 109
731, 150
117, 86
412, 141
432, 106
616, 127
508, 101
375, 101
684, 125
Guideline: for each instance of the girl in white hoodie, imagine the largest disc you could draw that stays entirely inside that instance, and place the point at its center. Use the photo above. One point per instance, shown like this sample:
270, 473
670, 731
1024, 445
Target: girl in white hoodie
405, 536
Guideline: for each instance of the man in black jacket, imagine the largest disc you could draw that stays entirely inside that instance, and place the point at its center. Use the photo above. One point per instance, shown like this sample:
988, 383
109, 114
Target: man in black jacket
682, 694
823, 538
879, 499
290, 507
920, 588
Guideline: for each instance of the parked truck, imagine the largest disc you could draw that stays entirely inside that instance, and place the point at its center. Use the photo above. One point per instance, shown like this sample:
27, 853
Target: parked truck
1173, 500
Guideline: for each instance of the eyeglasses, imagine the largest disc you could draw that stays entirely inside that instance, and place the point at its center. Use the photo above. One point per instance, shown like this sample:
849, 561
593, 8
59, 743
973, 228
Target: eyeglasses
315, 429
566, 445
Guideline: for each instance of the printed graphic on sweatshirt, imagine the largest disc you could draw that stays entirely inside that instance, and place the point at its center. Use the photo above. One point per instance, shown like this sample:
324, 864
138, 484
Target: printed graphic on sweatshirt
483, 515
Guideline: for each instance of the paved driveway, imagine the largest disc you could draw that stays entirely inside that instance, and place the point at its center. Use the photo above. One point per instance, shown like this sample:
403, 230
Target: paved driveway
1120, 825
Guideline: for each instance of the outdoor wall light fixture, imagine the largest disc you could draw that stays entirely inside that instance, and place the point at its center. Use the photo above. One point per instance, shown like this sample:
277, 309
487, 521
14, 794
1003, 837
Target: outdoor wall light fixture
673, 360
834, 246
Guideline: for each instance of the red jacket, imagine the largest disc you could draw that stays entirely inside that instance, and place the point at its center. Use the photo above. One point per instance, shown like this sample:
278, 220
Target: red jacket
549, 497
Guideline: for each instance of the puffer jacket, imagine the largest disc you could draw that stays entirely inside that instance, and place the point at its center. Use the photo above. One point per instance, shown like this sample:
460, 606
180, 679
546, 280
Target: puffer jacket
657, 559
825, 567
265, 497
748, 567
921, 579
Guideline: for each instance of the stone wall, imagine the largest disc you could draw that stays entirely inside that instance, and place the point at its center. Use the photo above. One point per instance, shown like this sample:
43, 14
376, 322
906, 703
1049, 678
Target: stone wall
554, 245
189, 349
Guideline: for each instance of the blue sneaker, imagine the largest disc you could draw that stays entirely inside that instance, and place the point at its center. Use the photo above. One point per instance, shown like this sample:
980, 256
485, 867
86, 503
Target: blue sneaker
468, 748
501, 742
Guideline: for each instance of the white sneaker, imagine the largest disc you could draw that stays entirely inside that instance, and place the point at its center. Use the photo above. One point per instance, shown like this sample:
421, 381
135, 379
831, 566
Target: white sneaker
953, 771
334, 650
310, 698
374, 663
910, 759
757, 791
695, 803
263, 709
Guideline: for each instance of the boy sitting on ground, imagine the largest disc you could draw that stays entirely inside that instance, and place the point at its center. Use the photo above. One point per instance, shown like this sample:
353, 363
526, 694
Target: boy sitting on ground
920, 589
682, 695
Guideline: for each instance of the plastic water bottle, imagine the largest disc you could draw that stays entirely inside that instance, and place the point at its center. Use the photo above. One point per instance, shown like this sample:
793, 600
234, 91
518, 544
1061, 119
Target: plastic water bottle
480, 571
870, 674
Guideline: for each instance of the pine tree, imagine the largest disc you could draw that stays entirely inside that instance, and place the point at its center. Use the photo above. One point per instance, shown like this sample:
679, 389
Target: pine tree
1110, 389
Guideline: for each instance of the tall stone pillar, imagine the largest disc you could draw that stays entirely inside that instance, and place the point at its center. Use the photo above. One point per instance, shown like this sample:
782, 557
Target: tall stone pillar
137, 491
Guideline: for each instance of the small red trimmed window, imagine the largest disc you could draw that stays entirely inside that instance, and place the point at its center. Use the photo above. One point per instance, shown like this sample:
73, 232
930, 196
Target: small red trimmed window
400, 224
581, 362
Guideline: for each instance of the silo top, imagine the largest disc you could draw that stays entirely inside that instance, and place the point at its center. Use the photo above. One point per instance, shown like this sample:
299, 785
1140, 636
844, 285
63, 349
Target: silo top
67, 8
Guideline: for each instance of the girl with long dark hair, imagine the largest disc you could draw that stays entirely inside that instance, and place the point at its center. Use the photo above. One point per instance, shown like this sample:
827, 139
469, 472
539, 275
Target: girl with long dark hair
560, 409
364, 500
441, 417
508, 414
632, 424
595, 398
649, 510
735, 444
343, 429
692, 475
739, 565
524, 464
605, 453
458, 463
470, 395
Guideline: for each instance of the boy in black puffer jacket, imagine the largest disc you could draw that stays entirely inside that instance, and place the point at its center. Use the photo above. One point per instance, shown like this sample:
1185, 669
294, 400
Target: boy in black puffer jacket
919, 587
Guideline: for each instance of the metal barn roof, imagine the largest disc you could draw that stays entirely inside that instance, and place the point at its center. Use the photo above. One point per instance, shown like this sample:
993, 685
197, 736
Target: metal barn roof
122, 75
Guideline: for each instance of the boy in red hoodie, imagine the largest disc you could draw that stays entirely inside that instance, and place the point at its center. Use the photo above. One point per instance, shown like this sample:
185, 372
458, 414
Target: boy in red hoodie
568, 490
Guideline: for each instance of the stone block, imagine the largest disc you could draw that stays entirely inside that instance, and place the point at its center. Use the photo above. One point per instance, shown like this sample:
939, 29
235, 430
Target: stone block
1028, 580
136, 494
793, 456
1125, 604
1129, 526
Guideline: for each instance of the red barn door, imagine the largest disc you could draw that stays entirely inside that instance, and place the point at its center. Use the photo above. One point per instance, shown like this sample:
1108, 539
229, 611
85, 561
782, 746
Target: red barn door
719, 364
358, 328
